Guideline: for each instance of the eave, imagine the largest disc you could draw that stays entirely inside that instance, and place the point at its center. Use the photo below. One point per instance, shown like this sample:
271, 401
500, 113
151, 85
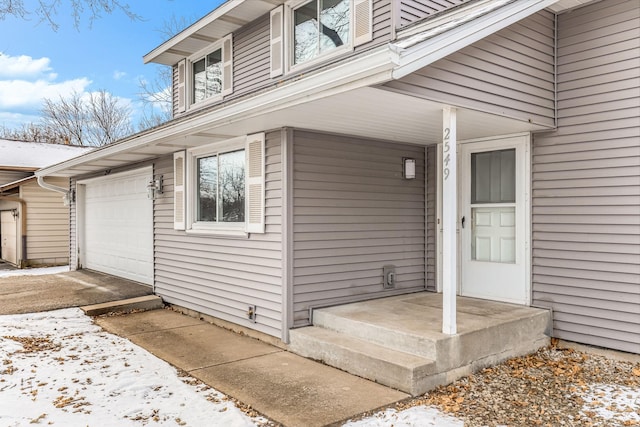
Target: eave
227, 18
297, 102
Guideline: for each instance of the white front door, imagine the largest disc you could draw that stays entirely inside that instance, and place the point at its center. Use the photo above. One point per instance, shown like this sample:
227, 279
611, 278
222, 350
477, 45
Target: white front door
494, 212
8, 232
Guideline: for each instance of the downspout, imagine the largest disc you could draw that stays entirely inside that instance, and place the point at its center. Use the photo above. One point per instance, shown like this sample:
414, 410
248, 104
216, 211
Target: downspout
23, 227
52, 187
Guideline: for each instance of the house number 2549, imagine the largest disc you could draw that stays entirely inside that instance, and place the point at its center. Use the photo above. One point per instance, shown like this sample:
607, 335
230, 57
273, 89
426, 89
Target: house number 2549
447, 154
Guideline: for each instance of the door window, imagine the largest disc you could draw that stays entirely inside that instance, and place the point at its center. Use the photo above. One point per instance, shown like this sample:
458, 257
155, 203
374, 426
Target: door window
493, 206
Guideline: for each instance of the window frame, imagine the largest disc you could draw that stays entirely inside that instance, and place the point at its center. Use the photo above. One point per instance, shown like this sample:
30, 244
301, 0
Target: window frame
226, 65
209, 227
289, 30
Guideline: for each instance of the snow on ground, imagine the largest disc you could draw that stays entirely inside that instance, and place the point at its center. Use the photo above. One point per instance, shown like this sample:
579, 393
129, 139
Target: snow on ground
34, 271
618, 404
416, 416
58, 368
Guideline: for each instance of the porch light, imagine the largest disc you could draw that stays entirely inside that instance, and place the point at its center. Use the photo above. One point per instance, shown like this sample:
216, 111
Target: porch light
154, 188
408, 168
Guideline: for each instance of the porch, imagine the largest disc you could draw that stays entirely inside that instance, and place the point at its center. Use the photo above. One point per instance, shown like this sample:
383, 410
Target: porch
398, 341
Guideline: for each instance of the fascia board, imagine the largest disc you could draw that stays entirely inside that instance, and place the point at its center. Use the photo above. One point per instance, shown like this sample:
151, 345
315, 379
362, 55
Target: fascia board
419, 56
194, 28
366, 70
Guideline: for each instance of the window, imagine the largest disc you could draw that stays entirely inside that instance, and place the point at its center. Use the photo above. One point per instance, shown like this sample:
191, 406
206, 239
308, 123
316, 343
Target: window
207, 76
304, 32
320, 26
219, 188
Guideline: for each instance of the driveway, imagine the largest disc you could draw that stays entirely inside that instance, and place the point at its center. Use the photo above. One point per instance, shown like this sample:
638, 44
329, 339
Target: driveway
29, 294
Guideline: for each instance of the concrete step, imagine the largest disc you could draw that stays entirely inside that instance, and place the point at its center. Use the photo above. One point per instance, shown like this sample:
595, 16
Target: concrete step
422, 344
144, 303
396, 369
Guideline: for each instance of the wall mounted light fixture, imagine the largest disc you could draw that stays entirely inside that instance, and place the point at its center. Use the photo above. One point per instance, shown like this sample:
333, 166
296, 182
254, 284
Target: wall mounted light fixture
408, 168
154, 187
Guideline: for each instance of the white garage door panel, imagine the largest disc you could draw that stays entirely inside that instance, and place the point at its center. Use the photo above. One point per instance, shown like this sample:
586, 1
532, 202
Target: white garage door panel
119, 227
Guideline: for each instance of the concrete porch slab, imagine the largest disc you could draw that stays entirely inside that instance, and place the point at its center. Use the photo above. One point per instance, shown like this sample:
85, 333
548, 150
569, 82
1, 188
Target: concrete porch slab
488, 332
147, 302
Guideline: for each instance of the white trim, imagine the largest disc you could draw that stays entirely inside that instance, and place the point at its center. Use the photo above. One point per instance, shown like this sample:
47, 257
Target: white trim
449, 221
289, 40
523, 142
136, 171
203, 227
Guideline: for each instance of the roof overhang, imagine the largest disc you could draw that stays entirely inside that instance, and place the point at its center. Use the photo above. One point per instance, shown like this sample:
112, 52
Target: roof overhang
326, 100
227, 18
10, 186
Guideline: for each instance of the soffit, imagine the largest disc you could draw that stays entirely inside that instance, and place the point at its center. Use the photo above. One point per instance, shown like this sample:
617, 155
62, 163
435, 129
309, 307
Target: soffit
227, 18
367, 112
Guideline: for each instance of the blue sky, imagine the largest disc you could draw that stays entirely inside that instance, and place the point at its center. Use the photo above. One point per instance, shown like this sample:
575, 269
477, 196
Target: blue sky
38, 62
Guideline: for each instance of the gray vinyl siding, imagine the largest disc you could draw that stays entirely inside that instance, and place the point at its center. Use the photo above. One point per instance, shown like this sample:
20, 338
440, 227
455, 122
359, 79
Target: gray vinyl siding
222, 276
47, 224
509, 73
353, 213
251, 53
431, 245
411, 11
586, 181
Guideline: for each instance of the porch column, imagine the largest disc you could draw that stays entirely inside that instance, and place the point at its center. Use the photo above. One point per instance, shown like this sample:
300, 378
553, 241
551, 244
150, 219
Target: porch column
449, 221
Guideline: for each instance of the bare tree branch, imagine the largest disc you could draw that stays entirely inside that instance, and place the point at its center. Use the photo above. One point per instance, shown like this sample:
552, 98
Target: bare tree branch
47, 10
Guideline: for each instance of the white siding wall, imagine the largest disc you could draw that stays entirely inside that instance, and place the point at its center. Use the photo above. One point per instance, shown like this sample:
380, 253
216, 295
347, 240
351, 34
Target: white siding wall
47, 224
221, 276
586, 181
353, 214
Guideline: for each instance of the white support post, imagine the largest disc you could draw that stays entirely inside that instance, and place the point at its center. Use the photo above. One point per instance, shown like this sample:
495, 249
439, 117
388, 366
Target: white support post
449, 221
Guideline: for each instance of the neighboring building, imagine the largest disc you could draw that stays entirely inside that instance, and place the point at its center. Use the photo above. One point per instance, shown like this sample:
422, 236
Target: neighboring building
302, 160
34, 222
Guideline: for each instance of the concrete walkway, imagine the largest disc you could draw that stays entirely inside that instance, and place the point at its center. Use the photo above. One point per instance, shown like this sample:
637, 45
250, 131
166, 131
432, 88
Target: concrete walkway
30, 294
287, 388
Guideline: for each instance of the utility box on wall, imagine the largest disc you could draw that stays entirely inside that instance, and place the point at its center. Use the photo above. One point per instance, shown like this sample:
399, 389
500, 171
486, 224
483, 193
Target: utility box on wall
389, 276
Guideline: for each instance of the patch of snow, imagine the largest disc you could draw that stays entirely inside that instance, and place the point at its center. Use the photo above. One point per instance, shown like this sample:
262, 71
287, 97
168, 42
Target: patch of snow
58, 368
34, 271
416, 416
614, 403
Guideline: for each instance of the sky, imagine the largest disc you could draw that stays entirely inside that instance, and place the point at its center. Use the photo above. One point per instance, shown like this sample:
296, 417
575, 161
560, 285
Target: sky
37, 62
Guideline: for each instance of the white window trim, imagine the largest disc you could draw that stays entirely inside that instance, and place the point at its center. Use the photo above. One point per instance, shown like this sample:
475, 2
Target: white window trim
201, 227
189, 77
289, 50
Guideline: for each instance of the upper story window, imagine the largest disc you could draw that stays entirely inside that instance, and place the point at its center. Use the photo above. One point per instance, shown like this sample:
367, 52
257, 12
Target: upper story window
207, 76
304, 32
319, 27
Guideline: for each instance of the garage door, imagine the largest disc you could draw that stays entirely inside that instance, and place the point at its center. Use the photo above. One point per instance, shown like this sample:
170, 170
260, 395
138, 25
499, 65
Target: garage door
118, 226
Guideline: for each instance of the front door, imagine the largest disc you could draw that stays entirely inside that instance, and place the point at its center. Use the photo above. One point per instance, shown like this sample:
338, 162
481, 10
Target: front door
8, 232
494, 233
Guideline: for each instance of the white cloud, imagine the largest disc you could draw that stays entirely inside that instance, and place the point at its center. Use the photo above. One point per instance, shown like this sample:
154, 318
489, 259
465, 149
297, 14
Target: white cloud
24, 94
117, 75
22, 66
